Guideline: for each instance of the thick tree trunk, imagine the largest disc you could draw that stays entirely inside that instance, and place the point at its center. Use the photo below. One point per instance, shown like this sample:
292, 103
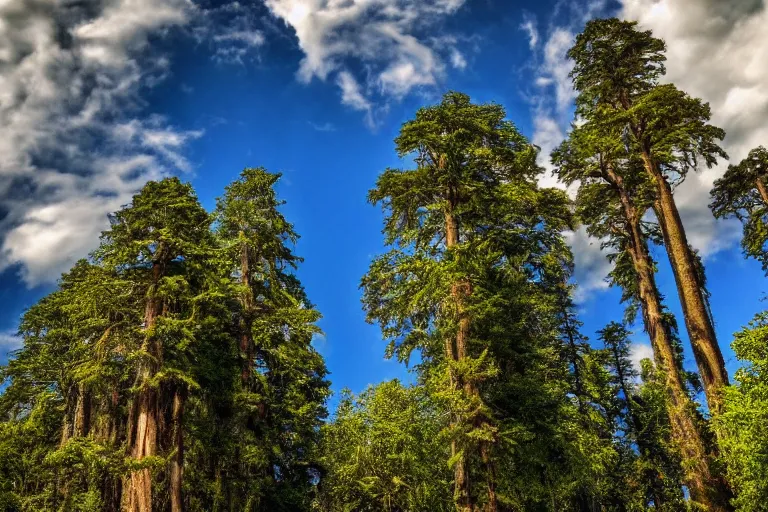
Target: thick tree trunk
137, 489
698, 322
704, 487
177, 463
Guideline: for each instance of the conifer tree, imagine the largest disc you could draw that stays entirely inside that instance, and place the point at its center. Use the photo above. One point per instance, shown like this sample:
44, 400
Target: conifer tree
616, 73
470, 232
742, 192
162, 238
280, 399
612, 199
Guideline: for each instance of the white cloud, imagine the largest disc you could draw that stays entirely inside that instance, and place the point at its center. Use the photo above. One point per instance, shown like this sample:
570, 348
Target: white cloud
69, 150
352, 95
458, 60
590, 264
233, 30
638, 352
380, 36
8, 342
717, 51
529, 27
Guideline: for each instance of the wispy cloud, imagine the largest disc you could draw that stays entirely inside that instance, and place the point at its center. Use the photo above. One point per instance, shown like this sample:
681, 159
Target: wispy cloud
386, 39
323, 127
8, 342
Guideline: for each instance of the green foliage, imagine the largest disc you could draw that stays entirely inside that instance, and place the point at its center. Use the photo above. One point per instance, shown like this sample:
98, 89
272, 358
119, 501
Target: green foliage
742, 425
385, 451
737, 194
90, 355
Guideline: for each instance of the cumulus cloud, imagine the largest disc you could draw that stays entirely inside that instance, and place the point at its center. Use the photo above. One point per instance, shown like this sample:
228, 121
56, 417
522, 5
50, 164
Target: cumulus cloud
717, 51
71, 149
385, 38
529, 26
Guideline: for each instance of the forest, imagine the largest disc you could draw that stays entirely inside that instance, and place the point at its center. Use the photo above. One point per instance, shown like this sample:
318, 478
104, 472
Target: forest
173, 369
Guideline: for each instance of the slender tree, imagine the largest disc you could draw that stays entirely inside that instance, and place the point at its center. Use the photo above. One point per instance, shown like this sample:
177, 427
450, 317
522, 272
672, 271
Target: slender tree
616, 73
742, 192
280, 400
612, 199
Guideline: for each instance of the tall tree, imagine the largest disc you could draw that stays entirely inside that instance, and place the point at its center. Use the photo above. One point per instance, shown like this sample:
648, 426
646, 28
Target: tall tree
162, 237
612, 199
280, 401
470, 231
138, 351
742, 192
616, 73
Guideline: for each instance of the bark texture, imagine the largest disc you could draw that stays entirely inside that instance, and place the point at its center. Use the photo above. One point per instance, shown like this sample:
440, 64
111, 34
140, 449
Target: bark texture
705, 488
698, 321
137, 488
177, 462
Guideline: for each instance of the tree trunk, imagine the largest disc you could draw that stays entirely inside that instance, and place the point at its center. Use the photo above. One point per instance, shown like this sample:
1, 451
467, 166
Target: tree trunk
686, 434
459, 291
82, 412
761, 188
177, 463
698, 322
137, 489
490, 468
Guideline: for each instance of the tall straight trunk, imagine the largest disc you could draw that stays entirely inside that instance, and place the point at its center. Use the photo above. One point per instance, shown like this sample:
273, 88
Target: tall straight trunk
137, 489
704, 487
462, 490
177, 462
698, 321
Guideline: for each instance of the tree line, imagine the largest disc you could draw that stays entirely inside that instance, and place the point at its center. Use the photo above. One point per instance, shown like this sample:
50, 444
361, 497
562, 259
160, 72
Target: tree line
173, 369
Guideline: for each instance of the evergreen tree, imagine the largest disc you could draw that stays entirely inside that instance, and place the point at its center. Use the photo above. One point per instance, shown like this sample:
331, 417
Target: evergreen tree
129, 392
475, 244
612, 199
742, 193
279, 401
616, 73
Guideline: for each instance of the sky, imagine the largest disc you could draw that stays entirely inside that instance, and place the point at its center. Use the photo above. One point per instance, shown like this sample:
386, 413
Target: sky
99, 96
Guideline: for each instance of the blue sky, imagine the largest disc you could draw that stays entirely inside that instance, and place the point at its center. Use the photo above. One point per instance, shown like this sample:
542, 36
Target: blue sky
317, 90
